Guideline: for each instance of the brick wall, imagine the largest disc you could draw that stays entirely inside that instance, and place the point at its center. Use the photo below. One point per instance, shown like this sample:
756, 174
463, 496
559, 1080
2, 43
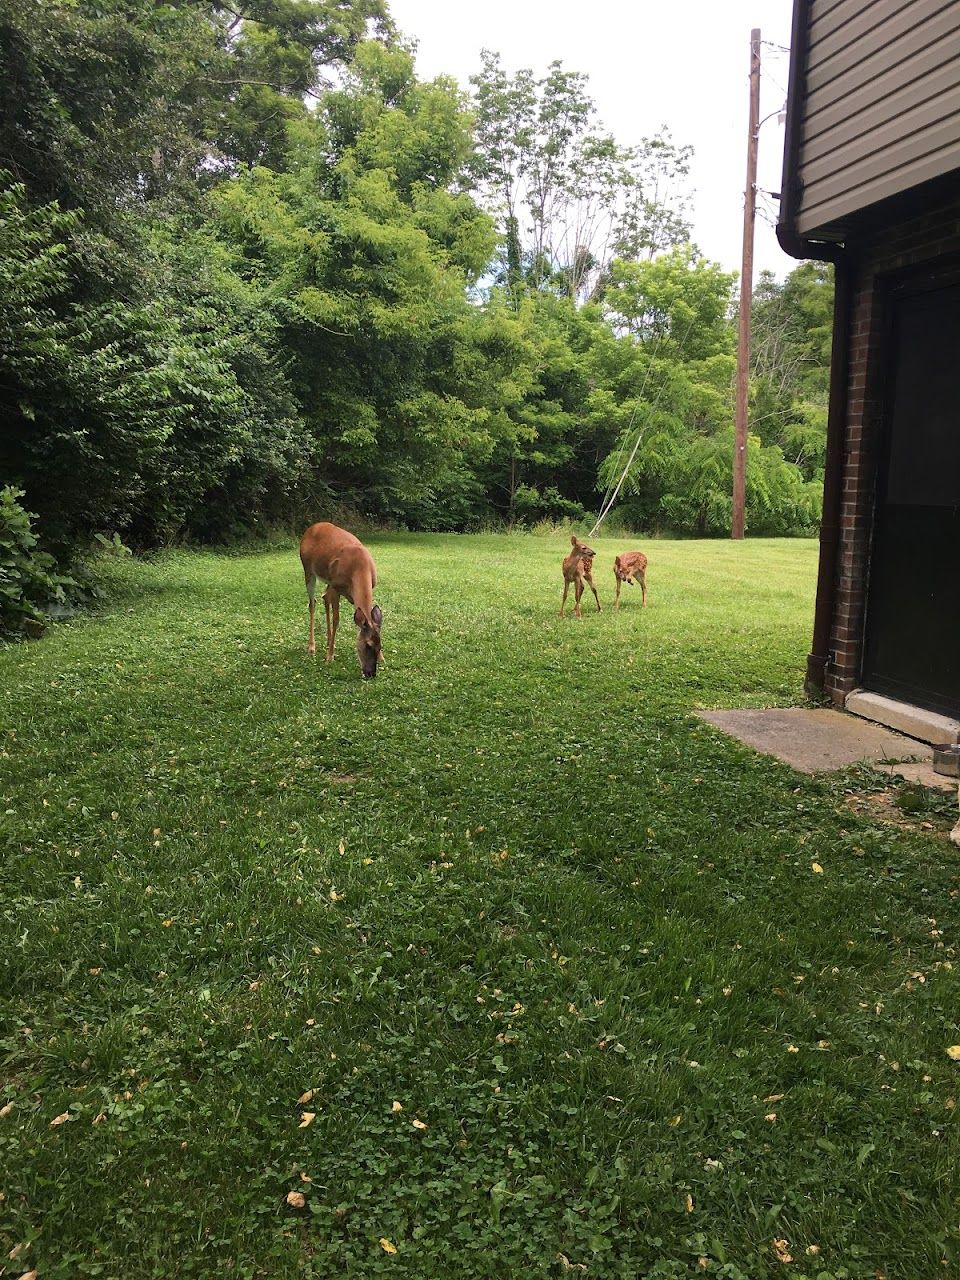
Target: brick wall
878, 260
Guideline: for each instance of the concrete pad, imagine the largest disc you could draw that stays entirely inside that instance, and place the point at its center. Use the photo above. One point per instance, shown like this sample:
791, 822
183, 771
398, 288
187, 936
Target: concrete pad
817, 739
928, 726
920, 771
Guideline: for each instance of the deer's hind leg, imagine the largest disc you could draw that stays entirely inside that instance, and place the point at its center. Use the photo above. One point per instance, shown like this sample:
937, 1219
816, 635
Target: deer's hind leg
642, 579
589, 578
563, 601
331, 603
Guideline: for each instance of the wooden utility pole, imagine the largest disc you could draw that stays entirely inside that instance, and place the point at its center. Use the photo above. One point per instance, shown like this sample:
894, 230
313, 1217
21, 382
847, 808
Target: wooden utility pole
746, 297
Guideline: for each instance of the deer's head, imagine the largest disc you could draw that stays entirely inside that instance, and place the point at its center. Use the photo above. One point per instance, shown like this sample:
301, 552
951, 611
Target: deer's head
368, 639
581, 549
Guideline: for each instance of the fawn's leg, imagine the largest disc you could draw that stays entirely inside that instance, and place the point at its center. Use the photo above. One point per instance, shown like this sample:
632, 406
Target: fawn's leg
642, 579
577, 593
616, 600
566, 588
331, 601
589, 578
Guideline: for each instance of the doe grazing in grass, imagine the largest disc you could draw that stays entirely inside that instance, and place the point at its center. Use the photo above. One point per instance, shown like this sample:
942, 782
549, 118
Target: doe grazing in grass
578, 568
347, 567
631, 567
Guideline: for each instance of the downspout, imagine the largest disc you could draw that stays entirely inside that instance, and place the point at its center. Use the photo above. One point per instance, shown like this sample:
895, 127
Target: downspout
822, 251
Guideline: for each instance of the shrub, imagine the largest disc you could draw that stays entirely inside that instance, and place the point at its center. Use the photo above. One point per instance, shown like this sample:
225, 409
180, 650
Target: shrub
30, 587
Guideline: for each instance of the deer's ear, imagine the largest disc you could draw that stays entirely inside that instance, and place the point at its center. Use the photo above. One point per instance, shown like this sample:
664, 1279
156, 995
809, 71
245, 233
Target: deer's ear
573, 539
376, 615
358, 616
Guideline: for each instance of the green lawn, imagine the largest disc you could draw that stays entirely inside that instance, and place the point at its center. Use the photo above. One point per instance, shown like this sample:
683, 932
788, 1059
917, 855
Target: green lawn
513, 887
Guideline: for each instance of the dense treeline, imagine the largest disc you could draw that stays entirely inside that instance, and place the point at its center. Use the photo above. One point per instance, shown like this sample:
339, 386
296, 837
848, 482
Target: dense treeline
253, 270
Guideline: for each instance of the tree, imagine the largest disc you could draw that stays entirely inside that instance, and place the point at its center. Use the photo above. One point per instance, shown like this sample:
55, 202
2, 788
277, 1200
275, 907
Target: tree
569, 197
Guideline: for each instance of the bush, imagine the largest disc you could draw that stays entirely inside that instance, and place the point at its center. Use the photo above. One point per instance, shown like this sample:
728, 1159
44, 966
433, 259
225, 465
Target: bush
30, 587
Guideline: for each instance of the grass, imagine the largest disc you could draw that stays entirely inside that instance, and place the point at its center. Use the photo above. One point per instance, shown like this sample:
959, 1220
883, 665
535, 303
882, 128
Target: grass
513, 885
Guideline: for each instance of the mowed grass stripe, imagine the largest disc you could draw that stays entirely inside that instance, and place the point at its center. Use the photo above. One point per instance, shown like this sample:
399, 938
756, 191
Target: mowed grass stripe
512, 884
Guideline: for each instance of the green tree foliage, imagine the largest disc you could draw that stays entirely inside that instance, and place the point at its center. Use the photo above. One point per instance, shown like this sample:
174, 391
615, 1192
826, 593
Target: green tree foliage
253, 270
674, 366
569, 197
790, 361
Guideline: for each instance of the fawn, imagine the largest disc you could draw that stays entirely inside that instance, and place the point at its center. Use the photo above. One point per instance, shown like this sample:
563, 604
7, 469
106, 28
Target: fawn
578, 568
631, 567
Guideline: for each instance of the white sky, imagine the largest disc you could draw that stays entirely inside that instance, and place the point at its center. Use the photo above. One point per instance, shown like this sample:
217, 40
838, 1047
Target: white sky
680, 63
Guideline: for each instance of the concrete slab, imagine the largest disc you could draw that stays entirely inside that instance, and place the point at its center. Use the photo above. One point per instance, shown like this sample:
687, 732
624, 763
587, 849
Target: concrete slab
919, 771
816, 739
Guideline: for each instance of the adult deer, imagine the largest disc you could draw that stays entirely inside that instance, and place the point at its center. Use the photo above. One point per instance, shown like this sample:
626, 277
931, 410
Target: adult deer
347, 567
578, 568
631, 567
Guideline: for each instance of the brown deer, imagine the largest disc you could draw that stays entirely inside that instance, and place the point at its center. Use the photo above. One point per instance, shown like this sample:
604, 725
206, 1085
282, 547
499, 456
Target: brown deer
347, 567
578, 568
629, 568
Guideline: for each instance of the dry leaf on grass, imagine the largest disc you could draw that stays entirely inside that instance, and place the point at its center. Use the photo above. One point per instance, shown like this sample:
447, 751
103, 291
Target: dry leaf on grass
418, 1124
304, 1097
306, 1119
816, 868
953, 1053
397, 1106
386, 1246
782, 1249
5, 1110
296, 1199
62, 1118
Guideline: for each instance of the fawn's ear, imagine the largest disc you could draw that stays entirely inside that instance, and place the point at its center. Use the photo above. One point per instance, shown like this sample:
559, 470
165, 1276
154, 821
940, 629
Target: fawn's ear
359, 617
376, 615
573, 539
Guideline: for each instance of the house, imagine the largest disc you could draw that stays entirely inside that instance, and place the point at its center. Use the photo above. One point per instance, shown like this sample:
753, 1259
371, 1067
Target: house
871, 182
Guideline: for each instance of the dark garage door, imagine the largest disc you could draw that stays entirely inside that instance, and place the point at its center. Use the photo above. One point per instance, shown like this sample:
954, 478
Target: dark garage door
912, 640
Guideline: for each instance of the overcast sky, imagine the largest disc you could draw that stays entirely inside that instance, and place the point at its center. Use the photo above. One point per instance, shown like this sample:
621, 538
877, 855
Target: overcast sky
680, 63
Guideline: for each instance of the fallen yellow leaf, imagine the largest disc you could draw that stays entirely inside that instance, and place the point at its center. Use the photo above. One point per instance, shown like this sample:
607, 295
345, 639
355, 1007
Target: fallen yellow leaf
60, 1119
782, 1250
397, 1106
296, 1199
307, 1118
304, 1097
816, 868
386, 1246
689, 1203
418, 1124
5, 1110
953, 1053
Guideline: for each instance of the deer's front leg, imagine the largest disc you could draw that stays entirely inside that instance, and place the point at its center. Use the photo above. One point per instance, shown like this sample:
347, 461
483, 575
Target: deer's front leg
566, 588
595, 596
311, 643
331, 602
578, 592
